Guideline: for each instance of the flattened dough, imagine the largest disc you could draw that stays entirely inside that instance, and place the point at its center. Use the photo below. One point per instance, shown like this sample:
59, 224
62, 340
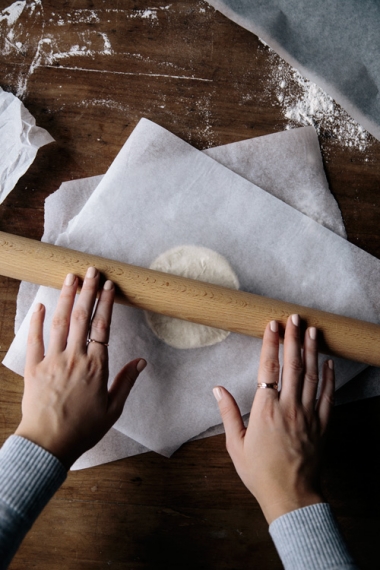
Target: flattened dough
196, 263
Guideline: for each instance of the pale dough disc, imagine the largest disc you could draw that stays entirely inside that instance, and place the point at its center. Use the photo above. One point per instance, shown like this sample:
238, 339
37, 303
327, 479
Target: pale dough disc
196, 263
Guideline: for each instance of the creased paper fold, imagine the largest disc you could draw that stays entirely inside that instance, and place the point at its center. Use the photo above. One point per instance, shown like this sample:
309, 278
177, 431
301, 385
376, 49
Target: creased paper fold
20, 140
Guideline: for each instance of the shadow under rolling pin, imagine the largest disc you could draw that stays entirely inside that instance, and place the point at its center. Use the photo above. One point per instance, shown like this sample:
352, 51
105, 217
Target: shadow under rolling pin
212, 305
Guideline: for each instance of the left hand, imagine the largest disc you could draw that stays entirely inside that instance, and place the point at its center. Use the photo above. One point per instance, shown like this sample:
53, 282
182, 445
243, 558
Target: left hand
278, 456
67, 407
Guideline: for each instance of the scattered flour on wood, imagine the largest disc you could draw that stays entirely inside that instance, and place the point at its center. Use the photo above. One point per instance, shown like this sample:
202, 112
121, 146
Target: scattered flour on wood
109, 103
148, 13
145, 14
12, 13
204, 130
303, 103
52, 47
78, 16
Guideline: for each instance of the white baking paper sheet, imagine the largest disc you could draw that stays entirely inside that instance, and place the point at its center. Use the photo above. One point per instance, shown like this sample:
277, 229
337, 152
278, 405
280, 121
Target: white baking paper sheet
160, 192
20, 140
267, 161
287, 164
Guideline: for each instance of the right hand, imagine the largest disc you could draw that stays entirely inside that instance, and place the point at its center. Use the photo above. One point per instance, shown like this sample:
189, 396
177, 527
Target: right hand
67, 407
278, 456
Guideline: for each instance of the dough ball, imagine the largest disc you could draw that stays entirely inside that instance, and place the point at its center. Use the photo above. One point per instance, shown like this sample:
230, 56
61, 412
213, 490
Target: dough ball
196, 263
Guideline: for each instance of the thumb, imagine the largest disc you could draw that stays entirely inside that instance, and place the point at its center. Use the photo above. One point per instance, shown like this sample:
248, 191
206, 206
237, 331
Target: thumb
231, 417
123, 384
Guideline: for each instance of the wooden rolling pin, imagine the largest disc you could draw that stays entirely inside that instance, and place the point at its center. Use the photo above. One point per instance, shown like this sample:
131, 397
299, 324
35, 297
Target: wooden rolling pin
188, 299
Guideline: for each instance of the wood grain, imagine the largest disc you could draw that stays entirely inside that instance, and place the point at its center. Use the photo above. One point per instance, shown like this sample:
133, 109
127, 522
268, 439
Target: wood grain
208, 81
187, 299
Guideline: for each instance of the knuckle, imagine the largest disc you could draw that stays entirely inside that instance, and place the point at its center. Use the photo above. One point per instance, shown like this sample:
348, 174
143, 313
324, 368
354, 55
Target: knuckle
73, 362
66, 295
99, 365
226, 411
267, 414
312, 378
329, 398
34, 338
80, 315
292, 415
271, 366
291, 332
270, 342
99, 324
295, 365
60, 322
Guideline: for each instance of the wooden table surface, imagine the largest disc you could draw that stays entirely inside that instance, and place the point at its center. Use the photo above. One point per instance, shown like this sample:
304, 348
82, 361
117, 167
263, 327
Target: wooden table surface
88, 70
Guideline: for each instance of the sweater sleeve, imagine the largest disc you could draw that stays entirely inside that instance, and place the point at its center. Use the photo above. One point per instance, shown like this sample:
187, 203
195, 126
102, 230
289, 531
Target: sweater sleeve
29, 477
309, 538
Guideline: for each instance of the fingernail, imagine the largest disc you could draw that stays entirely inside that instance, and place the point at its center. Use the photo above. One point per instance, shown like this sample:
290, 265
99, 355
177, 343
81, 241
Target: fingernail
141, 365
70, 278
330, 364
108, 285
37, 307
91, 272
296, 320
273, 325
313, 333
217, 393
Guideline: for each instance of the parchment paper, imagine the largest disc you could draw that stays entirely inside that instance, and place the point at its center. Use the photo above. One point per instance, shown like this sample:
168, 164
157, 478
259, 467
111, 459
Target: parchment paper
287, 164
20, 140
160, 192
335, 44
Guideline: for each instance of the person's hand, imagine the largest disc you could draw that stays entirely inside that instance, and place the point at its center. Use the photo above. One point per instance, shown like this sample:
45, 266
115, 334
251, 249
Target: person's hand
67, 407
278, 456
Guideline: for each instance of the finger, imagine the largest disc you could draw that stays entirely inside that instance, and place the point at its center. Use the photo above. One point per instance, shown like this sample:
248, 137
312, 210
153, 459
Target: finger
326, 398
101, 320
292, 372
310, 357
61, 319
82, 312
232, 420
122, 385
269, 368
35, 348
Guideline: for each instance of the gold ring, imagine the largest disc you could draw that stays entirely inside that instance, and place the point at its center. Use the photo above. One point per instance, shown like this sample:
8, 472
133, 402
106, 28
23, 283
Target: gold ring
272, 386
97, 341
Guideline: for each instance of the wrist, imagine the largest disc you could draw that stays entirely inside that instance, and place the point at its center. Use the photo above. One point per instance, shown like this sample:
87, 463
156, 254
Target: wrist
277, 507
45, 441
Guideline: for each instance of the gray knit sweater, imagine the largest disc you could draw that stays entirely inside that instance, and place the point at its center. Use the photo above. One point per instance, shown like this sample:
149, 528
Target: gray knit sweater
306, 539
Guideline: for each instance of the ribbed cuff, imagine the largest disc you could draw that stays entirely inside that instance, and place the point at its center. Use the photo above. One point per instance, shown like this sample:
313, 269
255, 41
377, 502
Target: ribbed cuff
310, 538
29, 476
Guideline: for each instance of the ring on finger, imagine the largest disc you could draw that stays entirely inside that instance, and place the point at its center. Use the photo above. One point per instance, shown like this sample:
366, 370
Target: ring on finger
106, 344
268, 385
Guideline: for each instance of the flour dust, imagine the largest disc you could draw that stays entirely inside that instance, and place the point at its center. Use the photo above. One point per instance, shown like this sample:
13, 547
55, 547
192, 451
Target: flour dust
303, 103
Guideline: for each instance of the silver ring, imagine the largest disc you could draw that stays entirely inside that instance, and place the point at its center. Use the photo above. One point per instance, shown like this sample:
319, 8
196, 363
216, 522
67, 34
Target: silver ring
272, 386
97, 341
